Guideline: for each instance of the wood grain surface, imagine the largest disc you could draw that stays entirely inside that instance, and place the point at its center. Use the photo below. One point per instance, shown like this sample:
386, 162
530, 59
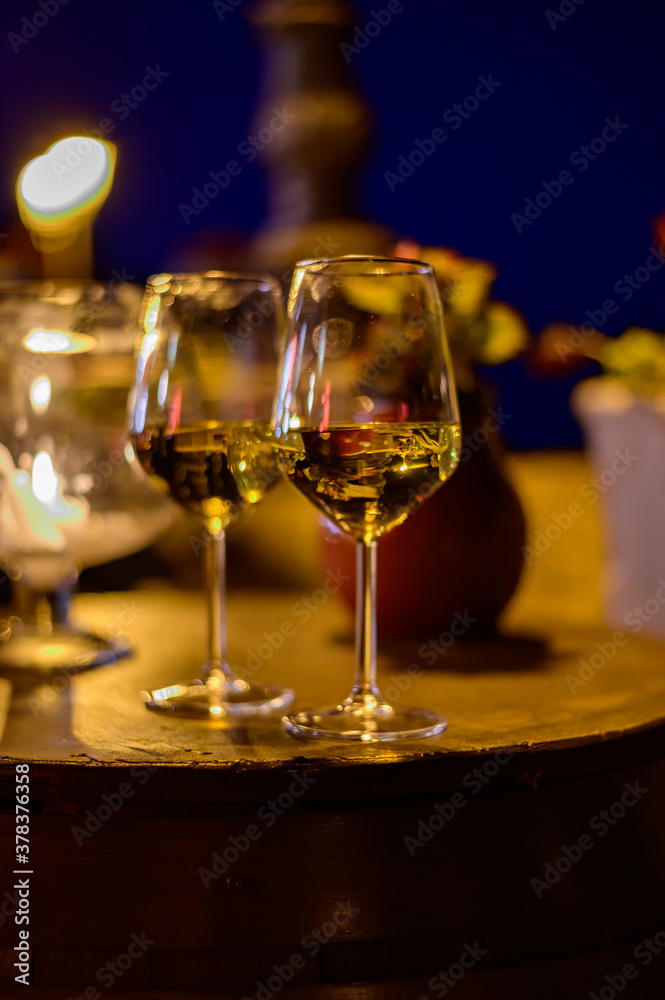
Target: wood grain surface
505, 692
534, 762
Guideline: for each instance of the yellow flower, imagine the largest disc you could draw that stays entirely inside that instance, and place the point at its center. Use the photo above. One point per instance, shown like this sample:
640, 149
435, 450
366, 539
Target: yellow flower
500, 335
465, 282
479, 331
638, 355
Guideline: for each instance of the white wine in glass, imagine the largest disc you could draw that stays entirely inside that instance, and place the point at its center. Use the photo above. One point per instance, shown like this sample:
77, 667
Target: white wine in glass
366, 427
200, 426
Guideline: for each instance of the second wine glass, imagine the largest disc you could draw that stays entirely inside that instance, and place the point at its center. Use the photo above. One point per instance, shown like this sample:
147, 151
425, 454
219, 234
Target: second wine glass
200, 426
366, 426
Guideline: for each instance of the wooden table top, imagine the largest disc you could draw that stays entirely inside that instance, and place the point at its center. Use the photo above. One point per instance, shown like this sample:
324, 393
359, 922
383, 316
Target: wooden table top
507, 692
497, 693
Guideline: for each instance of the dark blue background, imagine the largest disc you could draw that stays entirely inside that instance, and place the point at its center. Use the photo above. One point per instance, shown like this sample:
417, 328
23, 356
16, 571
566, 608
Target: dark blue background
557, 87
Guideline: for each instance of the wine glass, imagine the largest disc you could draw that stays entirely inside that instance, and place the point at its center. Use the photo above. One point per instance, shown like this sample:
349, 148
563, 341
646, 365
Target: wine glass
366, 427
200, 427
68, 496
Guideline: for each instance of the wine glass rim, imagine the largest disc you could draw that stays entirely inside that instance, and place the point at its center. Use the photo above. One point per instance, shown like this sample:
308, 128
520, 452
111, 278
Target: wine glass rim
248, 277
422, 266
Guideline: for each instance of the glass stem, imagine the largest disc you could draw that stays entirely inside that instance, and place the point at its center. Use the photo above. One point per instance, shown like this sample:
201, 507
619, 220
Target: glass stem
44, 609
216, 590
365, 691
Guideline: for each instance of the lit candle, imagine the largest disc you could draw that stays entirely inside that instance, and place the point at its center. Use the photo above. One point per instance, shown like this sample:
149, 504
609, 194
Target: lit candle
37, 517
58, 195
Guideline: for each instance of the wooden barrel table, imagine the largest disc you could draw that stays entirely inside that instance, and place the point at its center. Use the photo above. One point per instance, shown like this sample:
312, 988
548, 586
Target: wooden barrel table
521, 853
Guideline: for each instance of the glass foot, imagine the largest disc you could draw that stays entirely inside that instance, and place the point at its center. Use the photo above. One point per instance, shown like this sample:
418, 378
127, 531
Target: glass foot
61, 649
216, 699
351, 721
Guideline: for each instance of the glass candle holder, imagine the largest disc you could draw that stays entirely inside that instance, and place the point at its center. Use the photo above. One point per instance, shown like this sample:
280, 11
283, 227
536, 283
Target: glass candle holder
69, 497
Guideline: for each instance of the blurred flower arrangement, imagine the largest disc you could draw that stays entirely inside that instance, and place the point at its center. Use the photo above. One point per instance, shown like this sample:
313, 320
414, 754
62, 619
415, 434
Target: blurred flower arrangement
480, 331
637, 356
